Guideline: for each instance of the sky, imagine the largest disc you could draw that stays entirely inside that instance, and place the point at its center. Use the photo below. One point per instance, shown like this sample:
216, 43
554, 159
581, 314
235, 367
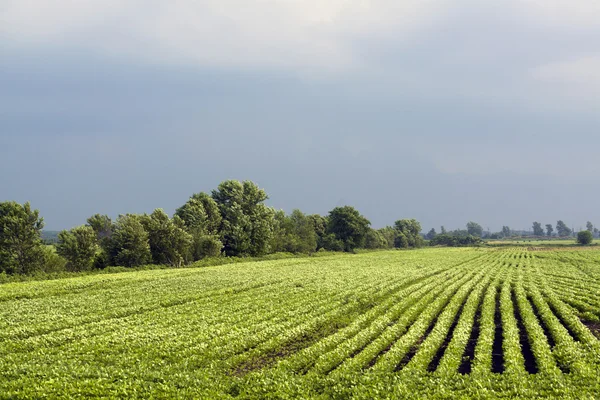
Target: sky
443, 111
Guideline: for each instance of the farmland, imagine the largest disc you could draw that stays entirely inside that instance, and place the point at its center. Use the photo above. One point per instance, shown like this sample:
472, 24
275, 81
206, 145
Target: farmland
440, 322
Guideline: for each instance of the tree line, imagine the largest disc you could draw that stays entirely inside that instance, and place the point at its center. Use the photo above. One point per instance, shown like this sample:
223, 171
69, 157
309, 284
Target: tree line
231, 221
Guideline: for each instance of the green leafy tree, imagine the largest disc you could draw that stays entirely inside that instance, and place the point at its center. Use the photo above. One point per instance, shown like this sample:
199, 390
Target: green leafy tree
319, 225
443, 230
589, 226
303, 233
208, 246
78, 246
537, 229
408, 233
203, 220
549, 230
584, 237
506, 231
348, 226
129, 245
247, 223
474, 229
169, 243
431, 234
562, 229
21, 247
201, 214
375, 240
102, 226
389, 234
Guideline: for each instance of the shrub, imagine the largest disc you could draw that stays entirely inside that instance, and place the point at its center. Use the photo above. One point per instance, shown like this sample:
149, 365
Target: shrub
207, 246
584, 237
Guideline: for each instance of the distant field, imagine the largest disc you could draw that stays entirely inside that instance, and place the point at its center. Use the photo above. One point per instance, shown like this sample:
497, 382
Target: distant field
481, 323
533, 242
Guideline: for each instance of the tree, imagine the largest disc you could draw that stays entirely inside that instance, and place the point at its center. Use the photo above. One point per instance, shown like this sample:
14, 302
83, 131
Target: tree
169, 243
348, 226
129, 246
319, 225
389, 234
584, 237
443, 230
505, 231
247, 224
202, 219
294, 233
549, 229
474, 229
537, 229
78, 246
562, 229
454, 241
102, 225
409, 233
21, 247
431, 234
590, 226
201, 214
375, 240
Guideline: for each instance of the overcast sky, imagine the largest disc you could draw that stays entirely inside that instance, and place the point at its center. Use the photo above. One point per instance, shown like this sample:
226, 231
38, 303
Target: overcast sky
444, 111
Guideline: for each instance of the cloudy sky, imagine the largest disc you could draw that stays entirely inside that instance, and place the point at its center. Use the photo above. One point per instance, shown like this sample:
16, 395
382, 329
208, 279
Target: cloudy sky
445, 111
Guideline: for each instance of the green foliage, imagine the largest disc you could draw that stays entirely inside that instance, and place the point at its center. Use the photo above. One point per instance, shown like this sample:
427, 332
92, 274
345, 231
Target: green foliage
247, 223
201, 214
506, 231
294, 233
562, 229
21, 248
585, 237
348, 226
78, 246
387, 324
431, 234
474, 229
455, 241
129, 246
331, 243
207, 246
169, 243
549, 230
389, 234
102, 226
375, 239
537, 229
589, 226
53, 263
409, 233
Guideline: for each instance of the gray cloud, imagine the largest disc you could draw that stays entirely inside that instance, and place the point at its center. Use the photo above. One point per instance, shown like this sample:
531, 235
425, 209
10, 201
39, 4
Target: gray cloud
471, 112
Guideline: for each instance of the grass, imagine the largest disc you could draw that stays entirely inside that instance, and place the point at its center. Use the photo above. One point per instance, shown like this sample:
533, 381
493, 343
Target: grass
389, 324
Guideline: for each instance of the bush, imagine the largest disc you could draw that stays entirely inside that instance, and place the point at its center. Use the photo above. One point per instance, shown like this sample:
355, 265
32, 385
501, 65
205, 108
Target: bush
332, 244
52, 262
584, 237
207, 246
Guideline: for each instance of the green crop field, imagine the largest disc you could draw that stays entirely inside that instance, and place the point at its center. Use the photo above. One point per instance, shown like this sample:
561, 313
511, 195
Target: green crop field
482, 323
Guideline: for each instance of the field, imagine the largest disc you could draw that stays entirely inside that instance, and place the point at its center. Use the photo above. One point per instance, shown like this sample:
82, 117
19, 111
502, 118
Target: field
427, 323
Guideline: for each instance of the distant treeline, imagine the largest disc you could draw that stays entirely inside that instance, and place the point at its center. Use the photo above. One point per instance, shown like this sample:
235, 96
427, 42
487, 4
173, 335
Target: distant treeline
230, 221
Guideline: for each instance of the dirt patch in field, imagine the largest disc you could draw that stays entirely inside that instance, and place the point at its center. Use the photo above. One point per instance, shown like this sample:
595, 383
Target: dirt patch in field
593, 326
497, 353
530, 364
